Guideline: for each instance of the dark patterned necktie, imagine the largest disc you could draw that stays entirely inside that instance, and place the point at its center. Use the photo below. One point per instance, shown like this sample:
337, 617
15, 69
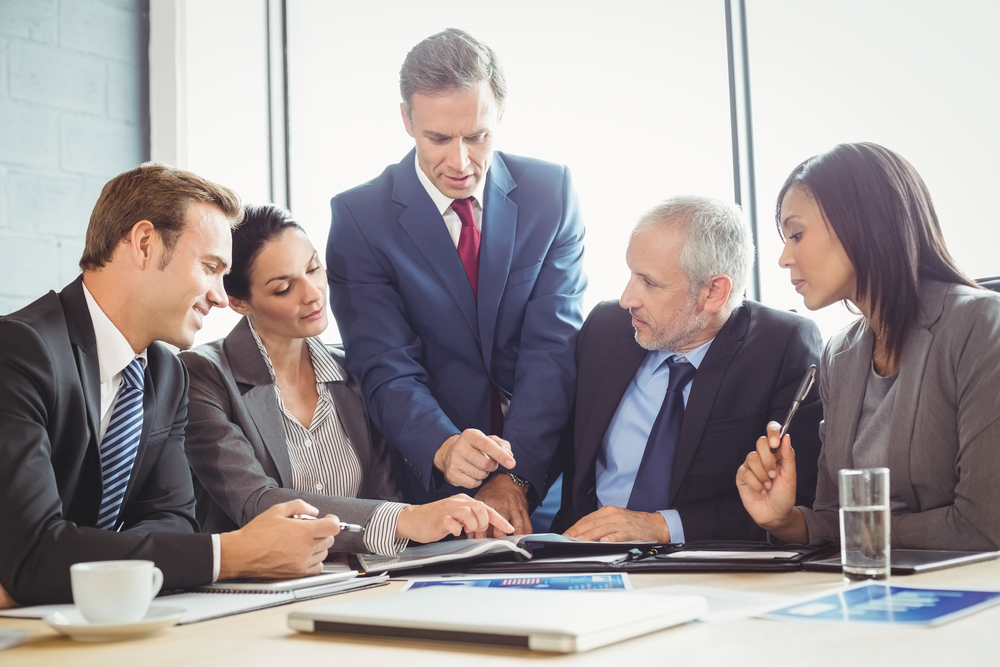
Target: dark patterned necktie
651, 491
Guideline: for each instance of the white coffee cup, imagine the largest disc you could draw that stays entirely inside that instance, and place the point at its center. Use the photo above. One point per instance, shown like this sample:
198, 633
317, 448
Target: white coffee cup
115, 591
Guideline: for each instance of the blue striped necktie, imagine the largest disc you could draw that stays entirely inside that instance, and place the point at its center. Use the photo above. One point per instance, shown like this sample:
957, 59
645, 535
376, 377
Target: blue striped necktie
120, 444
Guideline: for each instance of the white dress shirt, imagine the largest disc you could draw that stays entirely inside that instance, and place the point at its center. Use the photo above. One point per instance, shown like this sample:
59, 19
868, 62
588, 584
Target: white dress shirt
443, 203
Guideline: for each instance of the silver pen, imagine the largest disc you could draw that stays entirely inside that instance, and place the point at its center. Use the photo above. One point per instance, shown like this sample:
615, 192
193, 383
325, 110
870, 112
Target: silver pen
800, 395
344, 527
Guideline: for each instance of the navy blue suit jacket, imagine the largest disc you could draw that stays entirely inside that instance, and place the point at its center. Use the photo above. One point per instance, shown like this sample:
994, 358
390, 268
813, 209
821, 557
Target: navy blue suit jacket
426, 352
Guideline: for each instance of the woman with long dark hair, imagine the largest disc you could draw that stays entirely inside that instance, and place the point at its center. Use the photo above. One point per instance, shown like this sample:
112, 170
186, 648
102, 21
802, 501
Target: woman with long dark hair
913, 385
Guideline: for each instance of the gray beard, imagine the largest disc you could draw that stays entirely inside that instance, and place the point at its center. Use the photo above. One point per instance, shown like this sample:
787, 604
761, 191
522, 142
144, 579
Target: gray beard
675, 336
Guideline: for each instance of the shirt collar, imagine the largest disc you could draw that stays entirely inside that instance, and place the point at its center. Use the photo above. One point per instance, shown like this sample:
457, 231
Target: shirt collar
655, 358
324, 367
113, 351
442, 201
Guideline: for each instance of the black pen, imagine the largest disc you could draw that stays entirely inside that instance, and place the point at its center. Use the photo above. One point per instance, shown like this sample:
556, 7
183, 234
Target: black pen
800, 395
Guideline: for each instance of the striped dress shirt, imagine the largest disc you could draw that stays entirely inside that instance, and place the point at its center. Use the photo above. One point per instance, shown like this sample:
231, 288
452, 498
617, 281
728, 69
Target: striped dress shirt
322, 458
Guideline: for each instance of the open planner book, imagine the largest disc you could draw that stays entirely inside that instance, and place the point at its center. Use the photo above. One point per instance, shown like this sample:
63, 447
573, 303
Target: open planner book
517, 547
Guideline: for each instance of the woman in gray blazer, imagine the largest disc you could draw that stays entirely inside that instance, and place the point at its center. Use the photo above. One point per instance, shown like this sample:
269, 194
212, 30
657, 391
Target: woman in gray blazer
273, 414
914, 385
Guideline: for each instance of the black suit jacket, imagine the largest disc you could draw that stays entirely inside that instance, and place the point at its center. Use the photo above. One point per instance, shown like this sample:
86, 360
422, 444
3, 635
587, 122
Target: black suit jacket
50, 470
748, 378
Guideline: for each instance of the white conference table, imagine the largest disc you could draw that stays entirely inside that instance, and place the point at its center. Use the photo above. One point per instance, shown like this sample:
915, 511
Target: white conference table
263, 637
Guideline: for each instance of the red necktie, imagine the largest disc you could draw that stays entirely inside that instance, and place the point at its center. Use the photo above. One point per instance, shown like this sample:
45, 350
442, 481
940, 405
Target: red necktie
468, 251
468, 241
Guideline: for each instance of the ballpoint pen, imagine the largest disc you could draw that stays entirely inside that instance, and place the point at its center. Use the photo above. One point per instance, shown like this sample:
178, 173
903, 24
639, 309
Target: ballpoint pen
800, 395
344, 527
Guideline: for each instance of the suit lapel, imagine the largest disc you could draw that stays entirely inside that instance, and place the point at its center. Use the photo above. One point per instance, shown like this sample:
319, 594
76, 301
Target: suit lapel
848, 378
496, 249
911, 371
84, 341
704, 389
257, 388
620, 367
423, 224
352, 417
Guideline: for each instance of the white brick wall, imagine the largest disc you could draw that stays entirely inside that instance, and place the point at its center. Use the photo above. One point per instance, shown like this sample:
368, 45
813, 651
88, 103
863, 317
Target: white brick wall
73, 113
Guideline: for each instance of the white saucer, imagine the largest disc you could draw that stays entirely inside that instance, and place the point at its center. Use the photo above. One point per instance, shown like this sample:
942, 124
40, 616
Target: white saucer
72, 624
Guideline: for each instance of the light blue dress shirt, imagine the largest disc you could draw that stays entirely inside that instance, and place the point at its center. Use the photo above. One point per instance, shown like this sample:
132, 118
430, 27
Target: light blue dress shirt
625, 440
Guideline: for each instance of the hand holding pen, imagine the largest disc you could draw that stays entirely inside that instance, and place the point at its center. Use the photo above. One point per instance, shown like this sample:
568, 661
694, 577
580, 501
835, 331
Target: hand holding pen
767, 480
344, 527
800, 395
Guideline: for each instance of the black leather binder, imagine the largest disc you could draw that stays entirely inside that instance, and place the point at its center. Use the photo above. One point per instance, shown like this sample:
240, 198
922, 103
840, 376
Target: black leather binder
701, 556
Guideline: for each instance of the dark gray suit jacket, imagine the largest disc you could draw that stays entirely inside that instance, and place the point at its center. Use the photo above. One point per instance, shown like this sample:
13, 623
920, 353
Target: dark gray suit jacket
236, 443
50, 467
944, 440
747, 378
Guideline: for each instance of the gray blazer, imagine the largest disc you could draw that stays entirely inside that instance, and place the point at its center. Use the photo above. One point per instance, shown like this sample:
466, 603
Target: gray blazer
944, 449
236, 446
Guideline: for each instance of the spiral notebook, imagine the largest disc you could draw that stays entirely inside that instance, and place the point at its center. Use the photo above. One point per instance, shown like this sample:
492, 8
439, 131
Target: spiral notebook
257, 585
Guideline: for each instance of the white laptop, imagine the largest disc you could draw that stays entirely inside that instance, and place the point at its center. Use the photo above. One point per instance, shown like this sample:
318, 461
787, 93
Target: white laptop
539, 620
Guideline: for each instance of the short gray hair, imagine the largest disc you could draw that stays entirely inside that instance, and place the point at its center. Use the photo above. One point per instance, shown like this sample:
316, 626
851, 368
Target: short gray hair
717, 241
449, 61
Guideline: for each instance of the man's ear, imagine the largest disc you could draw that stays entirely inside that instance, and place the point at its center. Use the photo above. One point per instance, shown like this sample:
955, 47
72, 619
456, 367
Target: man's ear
406, 119
143, 242
239, 305
715, 294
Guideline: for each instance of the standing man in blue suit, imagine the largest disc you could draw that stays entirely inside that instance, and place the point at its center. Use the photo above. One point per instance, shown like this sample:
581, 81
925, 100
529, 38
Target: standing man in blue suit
456, 278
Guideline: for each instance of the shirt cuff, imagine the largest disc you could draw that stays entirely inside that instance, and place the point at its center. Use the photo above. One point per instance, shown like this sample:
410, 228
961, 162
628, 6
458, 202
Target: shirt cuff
216, 557
380, 533
674, 525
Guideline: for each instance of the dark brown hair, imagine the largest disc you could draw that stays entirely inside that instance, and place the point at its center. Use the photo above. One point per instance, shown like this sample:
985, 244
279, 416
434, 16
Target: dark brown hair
883, 215
261, 225
155, 192
449, 61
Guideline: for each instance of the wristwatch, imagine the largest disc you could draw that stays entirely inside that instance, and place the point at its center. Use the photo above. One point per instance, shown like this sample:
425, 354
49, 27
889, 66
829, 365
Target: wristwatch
520, 481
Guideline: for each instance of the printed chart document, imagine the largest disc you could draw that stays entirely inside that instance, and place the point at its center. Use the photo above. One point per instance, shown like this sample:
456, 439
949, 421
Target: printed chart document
201, 605
883, 603
558, 582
